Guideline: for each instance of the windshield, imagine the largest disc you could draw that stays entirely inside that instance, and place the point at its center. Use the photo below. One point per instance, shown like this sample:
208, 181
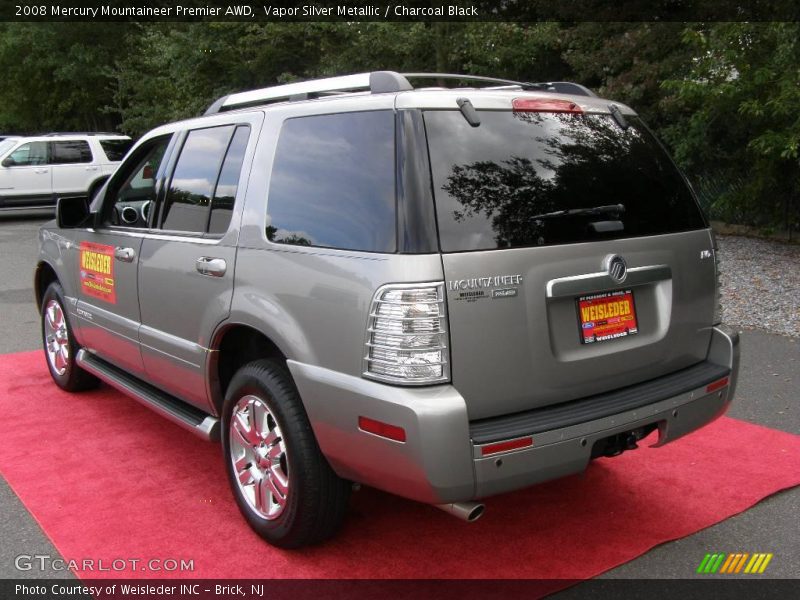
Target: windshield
525, 179
6, 145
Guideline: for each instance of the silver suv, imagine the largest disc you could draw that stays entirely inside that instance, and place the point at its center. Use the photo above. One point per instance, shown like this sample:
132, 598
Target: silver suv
34, 171
443, 293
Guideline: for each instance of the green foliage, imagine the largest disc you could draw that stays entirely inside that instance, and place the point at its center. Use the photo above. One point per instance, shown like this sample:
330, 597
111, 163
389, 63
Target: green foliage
735, 119
55, 76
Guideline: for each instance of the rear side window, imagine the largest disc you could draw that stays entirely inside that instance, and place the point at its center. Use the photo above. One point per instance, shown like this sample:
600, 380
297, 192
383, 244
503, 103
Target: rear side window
116, 149
511, 181
70, 151
333, 183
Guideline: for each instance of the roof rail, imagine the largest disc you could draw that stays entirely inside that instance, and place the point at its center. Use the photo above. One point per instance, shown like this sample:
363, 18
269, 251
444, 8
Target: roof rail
561, 87
455, 76
566, 87
376, 82
55, 133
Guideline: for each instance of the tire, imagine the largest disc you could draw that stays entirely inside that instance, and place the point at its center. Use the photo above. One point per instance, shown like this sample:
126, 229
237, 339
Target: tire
60, 347
302, 501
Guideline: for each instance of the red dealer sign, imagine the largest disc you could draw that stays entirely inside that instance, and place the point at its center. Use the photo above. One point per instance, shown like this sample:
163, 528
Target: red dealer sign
97, 271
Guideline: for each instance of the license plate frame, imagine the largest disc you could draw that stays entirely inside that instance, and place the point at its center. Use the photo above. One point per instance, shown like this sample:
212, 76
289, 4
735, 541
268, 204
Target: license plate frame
614, 316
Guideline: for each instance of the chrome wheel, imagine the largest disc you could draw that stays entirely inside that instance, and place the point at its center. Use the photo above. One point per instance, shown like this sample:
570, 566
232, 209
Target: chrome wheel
56, 337
258, 456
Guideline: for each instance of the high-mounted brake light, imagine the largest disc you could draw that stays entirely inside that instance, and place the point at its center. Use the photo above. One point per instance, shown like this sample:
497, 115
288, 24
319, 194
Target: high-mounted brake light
545, 105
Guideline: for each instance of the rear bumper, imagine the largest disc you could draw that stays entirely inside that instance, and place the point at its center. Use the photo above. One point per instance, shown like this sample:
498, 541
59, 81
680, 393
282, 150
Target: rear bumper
442, 459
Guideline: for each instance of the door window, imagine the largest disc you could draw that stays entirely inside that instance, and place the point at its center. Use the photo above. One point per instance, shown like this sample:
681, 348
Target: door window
32, 153
203, 187
70, 151
225, 194
133, 199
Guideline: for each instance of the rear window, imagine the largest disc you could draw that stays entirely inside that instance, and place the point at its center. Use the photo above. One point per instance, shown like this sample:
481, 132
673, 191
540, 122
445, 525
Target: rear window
504, 184
116, 149
333, 183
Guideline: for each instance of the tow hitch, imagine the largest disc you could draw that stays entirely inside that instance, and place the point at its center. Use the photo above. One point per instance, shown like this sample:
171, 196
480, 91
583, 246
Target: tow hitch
617, 444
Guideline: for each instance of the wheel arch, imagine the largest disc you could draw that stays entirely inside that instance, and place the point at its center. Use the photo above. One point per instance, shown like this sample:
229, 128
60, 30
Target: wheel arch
233, 346
44, 275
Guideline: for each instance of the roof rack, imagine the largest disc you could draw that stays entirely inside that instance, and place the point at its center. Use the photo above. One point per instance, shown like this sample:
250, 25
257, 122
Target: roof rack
376, 82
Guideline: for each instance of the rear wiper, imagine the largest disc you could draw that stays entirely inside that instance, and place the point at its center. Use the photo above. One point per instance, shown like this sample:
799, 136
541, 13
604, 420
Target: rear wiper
466, 108
612, 209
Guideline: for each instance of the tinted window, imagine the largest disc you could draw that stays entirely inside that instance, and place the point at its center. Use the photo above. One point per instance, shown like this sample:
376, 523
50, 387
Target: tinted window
502, 184
71, 151
134, 198
189, 195
33, 153
116, 149
333, 182
225, 194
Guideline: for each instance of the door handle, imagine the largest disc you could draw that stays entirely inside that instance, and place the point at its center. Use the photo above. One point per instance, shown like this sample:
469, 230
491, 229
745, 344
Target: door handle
124, 254
213, 267
91, 168
41, 171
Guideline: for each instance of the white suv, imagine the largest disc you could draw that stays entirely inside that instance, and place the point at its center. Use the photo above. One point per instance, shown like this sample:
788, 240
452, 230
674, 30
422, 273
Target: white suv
35, 170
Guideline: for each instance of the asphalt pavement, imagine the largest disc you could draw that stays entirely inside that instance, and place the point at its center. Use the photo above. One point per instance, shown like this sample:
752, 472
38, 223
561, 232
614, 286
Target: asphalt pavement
767, 395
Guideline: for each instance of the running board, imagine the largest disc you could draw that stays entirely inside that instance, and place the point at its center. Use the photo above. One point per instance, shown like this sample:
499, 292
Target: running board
177, 411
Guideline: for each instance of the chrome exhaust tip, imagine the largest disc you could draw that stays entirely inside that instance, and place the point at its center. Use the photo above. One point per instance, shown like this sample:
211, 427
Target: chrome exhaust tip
466, 511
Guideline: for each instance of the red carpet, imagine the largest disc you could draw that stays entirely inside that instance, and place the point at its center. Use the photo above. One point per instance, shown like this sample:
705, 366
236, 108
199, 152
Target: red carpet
106, 478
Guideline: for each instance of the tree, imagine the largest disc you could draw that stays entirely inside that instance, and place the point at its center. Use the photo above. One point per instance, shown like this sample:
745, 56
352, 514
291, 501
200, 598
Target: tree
56, 76
736, 124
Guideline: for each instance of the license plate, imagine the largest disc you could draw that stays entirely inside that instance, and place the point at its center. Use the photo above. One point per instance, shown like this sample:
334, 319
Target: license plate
606, 316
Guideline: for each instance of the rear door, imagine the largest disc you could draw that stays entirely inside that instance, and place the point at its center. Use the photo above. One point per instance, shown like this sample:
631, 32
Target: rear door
187, 265
549, 301
73, 166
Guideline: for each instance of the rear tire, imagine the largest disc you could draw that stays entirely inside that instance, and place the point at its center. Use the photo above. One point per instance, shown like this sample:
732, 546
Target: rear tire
60, 347
282, 483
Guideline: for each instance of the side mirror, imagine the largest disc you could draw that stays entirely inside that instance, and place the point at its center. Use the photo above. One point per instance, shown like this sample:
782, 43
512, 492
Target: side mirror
72, 212
8, 162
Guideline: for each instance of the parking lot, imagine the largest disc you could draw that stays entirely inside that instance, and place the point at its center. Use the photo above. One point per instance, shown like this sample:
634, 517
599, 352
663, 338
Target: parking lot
766, 395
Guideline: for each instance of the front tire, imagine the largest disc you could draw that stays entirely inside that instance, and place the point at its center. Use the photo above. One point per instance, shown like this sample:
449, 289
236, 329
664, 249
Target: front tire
60, 347
282, 483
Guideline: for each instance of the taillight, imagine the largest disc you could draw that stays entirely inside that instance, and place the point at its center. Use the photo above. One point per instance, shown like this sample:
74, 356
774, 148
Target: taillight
406, 335
552, 105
